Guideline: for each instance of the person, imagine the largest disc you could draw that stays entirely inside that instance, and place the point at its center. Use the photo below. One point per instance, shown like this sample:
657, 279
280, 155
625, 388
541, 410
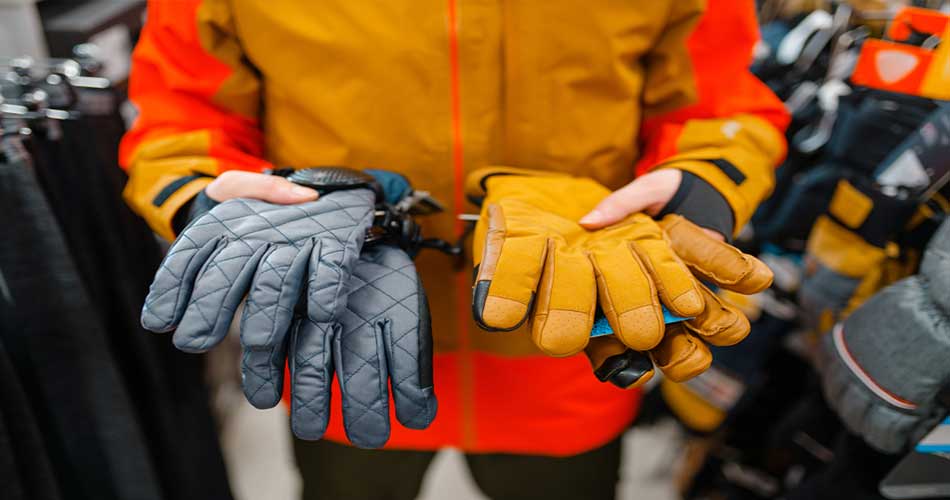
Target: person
653, 100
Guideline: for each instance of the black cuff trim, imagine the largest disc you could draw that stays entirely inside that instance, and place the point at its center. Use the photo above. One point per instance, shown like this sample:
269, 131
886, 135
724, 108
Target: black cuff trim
730, 170
172, 187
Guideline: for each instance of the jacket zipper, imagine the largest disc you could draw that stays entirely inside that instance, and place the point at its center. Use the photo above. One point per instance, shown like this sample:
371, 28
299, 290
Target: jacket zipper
463, 307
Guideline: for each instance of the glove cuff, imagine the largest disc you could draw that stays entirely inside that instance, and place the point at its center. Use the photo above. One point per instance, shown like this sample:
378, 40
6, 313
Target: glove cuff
476, 182
702, 204
742, 191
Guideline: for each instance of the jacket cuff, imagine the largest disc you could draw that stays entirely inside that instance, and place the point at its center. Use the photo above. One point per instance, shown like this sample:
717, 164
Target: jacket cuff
700, 203
742, 192
169, 200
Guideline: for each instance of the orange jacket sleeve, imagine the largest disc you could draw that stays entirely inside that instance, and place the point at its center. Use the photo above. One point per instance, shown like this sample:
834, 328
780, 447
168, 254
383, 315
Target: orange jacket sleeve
704, 110
198, 103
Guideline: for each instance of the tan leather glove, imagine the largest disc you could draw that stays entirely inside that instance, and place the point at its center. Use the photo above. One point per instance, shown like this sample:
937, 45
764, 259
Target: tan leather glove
683, 353
535, 262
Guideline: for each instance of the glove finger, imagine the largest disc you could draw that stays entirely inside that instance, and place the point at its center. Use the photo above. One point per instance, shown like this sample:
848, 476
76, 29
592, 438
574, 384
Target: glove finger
267, 318
715, 261
275, 292
566, 302
172, 288
262, 373
613, 362
681, 356
675, 285
508, 275
346, 216
627, 296
311, 371
401, 317
720, 324
218, 290
359, 354
329, 273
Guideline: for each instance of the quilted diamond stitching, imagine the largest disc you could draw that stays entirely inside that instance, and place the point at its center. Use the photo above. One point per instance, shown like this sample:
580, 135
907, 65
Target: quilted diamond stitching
335, 222
335, 217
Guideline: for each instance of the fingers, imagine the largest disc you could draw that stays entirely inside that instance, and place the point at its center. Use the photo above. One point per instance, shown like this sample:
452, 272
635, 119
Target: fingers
328, 280
346, 215
172, 288
219, 288
681, 356
311, 368
648, 193
407, 335
275, 292
361, 368
269, 188
386, 336
615, 363
628, 296
566, 301
720, 324
409, 359
262, 373
675, 284
508, 275
714, 260
267, 318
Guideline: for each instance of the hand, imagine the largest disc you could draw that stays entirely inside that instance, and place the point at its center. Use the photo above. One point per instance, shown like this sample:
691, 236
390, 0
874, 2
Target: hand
315, 299
683, 353
649, 193
285, 262
536, 263
269, 188
238, 184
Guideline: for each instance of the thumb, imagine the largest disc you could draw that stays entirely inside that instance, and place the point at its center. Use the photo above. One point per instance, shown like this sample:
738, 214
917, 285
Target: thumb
269, 188
649, 193
285, 192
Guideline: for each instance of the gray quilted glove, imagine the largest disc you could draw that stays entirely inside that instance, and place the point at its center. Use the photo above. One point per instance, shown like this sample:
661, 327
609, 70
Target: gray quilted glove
886, 369
274, 255
382, 337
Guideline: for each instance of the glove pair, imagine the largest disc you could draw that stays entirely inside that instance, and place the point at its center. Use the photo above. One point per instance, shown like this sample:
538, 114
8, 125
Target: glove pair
534, 261
315, 299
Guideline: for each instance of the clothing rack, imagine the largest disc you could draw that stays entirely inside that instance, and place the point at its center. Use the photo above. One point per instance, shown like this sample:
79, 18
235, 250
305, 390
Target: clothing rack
75, 264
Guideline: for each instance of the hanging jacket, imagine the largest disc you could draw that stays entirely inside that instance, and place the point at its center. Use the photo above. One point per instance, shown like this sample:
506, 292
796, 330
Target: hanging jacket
434, 90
